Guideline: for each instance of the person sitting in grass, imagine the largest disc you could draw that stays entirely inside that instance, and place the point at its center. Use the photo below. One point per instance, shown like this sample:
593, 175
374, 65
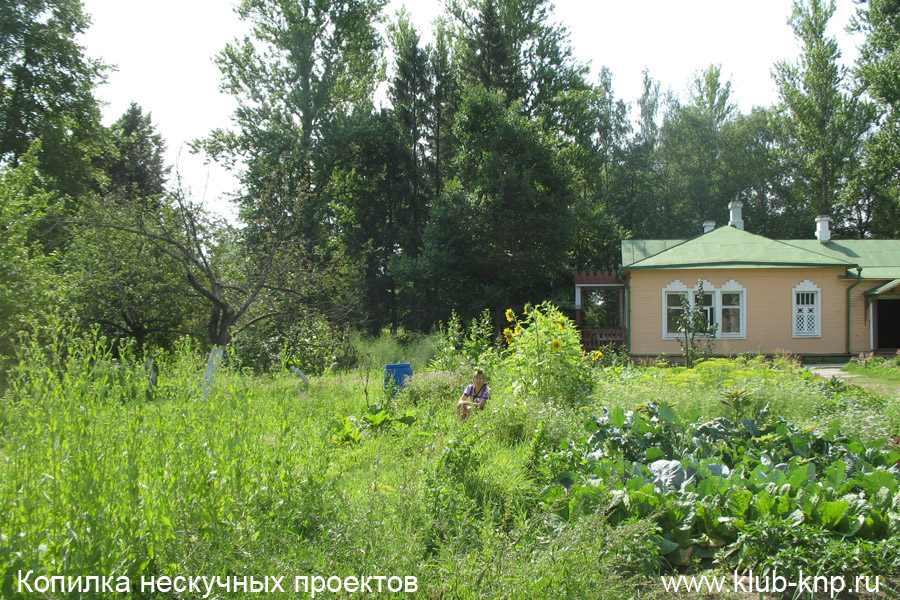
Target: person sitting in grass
475, 395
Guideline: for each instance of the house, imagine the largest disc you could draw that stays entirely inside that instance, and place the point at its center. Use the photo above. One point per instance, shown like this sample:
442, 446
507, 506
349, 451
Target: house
818, 297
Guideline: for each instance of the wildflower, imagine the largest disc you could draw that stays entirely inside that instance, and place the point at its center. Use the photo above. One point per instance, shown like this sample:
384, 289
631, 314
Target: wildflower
597, 355
510, 315
556, 345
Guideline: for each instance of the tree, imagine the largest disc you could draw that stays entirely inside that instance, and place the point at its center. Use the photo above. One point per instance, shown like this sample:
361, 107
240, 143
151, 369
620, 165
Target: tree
133, 293
443, 106
878, 71
46, 92
501, 233
638, 207
820, 127
27, 279
137, 170
512, 47
378, 211
695, 326
308, 63
410, 92
710, 154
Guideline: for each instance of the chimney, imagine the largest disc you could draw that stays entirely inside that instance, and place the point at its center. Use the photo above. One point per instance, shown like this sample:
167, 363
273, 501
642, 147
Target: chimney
823, 229
735, 219
708, 226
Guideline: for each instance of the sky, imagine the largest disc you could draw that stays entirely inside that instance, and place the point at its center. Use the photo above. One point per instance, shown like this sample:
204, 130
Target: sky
163, 54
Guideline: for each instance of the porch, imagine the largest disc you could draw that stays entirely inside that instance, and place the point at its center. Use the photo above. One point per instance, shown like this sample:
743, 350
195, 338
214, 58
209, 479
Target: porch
600, 306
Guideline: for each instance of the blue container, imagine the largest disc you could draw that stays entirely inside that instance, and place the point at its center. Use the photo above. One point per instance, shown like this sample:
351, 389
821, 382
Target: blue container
396, 374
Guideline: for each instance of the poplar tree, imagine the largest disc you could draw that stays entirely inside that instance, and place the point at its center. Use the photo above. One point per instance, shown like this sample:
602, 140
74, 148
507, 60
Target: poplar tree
878, 71
820, 126
306, 65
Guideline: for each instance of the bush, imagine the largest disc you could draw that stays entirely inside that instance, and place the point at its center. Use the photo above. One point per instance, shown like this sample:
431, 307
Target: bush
458, 347
311, 344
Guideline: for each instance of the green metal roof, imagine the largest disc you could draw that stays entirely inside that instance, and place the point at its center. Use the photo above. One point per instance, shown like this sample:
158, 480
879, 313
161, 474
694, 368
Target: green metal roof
636, 250
729, 247
879, 259
883, 288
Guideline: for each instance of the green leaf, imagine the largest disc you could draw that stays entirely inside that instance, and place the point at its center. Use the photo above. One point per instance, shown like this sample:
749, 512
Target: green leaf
653, 453
667, 414
666, 546
831, 513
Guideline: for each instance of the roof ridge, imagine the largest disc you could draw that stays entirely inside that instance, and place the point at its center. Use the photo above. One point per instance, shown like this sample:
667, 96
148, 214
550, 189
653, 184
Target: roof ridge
822, 254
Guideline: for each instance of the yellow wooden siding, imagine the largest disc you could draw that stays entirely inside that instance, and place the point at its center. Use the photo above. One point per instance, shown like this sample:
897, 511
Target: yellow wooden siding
769, 306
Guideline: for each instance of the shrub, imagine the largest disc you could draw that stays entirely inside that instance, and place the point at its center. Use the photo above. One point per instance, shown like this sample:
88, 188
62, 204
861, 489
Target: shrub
311, 344
458, 347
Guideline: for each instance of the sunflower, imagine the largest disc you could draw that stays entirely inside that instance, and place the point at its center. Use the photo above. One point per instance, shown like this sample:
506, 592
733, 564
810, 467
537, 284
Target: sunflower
508, 334
510, 315
556, 345
597, 355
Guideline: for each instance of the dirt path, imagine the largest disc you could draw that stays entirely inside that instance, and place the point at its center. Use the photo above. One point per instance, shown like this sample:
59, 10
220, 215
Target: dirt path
829, 371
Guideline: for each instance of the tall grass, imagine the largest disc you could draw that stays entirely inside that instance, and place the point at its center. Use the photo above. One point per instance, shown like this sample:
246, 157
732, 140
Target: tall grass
102, 474
401, 347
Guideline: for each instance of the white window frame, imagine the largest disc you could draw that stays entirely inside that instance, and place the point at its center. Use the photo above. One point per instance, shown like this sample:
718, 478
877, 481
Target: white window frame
807, 287
732, 287
678, 287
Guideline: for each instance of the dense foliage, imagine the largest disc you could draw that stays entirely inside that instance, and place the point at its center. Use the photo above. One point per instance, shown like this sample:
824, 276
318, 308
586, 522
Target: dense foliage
495, 167
122, 467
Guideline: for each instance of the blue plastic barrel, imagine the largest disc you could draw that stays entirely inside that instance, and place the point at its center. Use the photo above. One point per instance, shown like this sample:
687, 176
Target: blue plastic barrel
396, 374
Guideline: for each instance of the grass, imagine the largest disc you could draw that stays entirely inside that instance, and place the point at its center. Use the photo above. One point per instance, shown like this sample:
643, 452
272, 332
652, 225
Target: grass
102, 475
883, 375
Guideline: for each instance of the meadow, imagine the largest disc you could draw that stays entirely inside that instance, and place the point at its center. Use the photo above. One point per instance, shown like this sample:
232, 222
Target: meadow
585, 476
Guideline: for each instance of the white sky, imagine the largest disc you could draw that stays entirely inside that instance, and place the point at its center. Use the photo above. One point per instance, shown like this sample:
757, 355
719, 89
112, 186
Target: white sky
163, 52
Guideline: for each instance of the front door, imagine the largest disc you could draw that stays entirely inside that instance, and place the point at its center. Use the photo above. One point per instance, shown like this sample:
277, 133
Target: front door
889, 323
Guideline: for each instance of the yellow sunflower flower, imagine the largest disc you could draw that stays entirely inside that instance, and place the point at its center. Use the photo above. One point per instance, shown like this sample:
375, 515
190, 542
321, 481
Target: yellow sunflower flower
556, 345
510, 315
597, 356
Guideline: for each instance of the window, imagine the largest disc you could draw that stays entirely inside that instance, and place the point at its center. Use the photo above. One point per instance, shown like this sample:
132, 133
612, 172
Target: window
807, 313
725, 305
673, 296
733, 322
705, 301
731, 312
674, 309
